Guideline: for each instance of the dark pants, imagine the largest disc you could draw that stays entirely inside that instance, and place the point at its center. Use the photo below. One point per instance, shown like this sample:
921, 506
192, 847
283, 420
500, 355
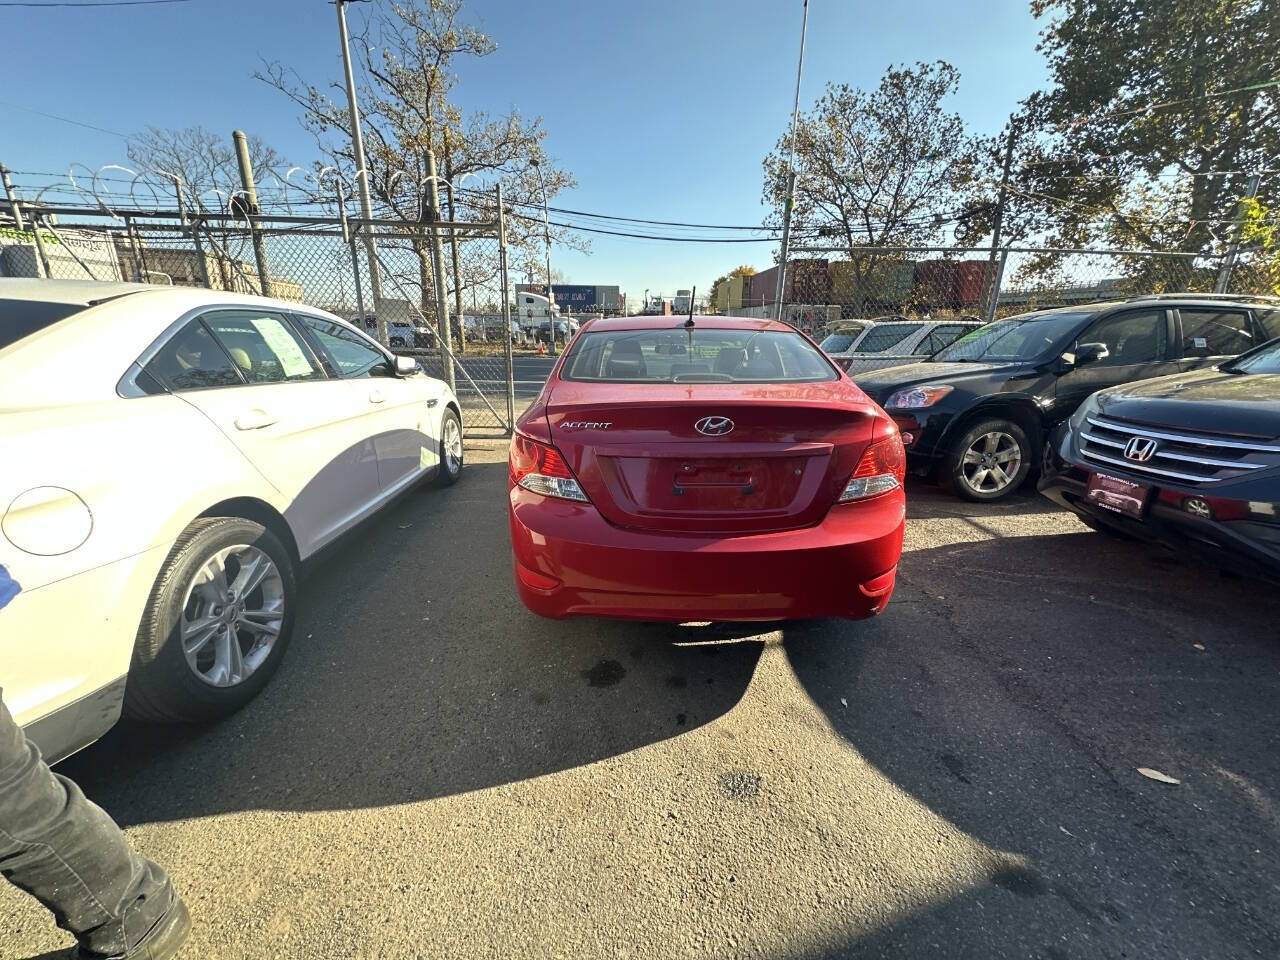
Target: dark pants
68, 854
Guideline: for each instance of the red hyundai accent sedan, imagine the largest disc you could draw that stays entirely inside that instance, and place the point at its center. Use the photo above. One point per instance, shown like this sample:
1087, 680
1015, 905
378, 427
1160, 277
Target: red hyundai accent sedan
714, 469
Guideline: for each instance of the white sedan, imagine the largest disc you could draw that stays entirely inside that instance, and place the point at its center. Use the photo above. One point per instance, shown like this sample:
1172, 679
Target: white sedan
170, 456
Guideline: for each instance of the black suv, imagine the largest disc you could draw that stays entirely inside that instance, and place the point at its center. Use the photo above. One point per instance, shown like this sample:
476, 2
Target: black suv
979, 411
1192, 461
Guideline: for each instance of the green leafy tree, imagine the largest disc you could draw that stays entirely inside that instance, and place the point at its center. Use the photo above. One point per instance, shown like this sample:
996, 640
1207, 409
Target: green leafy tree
1158, 113
884, 167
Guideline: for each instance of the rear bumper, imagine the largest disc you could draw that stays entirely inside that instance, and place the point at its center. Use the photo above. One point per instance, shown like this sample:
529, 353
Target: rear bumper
1248, 546
570, 561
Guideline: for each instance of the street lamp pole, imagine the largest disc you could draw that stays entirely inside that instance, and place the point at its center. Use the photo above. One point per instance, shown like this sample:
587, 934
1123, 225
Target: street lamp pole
546, 228
790, 200
362, 173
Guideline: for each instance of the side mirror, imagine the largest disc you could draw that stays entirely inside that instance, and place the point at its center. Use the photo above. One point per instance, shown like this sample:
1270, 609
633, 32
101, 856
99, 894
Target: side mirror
406, 366
1091, 353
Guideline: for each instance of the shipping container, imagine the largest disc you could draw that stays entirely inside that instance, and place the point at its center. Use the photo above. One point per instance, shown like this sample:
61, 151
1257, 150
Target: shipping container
936, 283
884, 284
971, 281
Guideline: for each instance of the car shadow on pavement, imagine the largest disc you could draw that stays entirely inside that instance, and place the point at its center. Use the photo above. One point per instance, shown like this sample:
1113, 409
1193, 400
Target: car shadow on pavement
414, 672
1014, 688
926, 499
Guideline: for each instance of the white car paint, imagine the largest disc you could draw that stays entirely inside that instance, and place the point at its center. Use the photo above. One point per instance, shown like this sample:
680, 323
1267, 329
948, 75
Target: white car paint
96, 486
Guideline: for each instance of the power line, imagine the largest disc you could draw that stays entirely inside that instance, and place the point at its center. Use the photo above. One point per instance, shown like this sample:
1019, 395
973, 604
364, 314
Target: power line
54, 116
86, 3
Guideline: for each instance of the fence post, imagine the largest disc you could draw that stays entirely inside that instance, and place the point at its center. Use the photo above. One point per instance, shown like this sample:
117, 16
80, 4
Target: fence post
1229, 261
133, 246
201, 264
251, 191
42, 255
995, 285
437, 264
41, 270
350, 239
506, 314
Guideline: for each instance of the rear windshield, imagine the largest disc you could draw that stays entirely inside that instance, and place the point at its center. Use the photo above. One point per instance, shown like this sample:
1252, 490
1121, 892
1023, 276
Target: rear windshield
705, 356
22, 318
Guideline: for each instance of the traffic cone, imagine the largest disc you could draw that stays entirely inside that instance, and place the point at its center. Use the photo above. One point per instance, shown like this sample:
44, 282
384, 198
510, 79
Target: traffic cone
542, 349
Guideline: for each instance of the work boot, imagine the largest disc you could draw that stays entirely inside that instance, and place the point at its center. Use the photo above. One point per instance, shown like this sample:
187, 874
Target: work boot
162, 941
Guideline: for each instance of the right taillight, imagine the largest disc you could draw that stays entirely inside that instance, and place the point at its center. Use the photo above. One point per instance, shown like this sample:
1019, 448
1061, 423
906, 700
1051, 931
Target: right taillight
539, 468
883, 468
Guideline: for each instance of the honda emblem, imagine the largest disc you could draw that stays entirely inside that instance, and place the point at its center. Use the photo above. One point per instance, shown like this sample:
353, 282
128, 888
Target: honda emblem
1140, 449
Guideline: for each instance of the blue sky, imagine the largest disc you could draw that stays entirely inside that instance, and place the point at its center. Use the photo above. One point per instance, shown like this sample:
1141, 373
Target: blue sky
662, 109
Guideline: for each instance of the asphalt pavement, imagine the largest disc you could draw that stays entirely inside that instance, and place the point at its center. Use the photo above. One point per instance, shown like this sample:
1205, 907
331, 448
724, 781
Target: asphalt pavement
436, 773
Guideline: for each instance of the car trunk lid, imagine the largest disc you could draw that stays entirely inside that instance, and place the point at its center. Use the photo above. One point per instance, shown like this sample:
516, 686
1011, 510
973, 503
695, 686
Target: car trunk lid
767, 457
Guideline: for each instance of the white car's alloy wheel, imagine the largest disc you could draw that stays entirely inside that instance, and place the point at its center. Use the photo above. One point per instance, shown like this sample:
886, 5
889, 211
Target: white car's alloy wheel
232, 615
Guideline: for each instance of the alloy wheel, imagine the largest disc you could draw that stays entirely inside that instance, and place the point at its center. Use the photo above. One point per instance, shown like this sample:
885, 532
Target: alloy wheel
232, 615
452, 445
992, 462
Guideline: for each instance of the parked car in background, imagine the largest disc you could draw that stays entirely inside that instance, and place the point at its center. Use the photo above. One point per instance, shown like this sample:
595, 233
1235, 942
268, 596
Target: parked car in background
889, 343
739, 477
977, 413
400, 335
1191, 461
171, 455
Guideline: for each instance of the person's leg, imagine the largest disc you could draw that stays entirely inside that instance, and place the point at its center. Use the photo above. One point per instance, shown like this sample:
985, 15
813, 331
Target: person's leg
71, 856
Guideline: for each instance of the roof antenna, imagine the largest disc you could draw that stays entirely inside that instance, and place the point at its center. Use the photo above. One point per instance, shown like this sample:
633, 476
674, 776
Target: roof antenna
689, 324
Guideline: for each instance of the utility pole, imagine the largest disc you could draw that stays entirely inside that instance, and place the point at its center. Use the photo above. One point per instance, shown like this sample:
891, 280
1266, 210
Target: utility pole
790, 200
251, 192
546, 227
453, 247
1229, 261
998, 223
362, 173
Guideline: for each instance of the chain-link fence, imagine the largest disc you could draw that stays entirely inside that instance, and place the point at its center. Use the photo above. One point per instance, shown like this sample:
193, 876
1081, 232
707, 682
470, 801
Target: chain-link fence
835, 291
438, 292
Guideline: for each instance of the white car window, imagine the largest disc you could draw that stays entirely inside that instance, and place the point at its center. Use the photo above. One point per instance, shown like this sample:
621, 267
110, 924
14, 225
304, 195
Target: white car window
885, 335
193, 360
354, 356
263, 346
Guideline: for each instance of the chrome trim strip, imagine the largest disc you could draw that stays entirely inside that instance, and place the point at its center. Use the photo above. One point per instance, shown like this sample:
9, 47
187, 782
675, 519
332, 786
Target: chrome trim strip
1145, 469
1211, 461
1184, 437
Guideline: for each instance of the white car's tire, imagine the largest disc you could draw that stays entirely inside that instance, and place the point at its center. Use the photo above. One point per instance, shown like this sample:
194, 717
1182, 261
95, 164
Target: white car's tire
208, 643
450, 450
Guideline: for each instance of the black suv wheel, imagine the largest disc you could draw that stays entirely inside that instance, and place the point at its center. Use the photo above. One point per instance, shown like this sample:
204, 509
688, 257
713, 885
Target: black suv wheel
988, 462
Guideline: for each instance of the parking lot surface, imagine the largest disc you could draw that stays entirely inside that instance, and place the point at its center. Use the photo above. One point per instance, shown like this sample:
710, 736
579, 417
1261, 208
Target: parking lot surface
436, 773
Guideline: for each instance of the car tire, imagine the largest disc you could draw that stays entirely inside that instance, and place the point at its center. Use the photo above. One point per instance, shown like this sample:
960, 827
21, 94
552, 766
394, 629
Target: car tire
450, 449
165, 684
996, 444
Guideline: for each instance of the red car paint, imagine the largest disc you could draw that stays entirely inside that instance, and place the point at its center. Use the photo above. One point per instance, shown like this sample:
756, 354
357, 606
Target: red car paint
674, 525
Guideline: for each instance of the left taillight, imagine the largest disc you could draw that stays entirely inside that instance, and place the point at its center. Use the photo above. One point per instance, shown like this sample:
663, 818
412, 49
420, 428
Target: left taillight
539, 468
883, 468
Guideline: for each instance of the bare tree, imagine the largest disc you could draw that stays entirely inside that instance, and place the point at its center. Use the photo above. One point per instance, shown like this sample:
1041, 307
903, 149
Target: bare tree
204, 160
409, 52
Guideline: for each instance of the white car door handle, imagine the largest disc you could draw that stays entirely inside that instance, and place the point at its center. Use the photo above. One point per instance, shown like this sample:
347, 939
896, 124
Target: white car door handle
375, 396
254, 419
